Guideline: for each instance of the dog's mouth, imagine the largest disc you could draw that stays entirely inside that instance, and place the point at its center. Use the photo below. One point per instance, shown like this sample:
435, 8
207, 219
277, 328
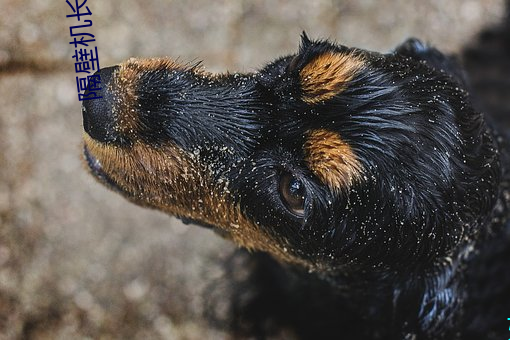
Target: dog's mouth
97, 170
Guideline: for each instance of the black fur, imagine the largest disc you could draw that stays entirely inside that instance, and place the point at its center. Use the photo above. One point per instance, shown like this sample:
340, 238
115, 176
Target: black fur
432, 188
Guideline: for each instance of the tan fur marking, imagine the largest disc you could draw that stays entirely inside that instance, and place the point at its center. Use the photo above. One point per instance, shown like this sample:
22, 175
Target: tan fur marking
176, 182
328, 75
124, 107
331, 159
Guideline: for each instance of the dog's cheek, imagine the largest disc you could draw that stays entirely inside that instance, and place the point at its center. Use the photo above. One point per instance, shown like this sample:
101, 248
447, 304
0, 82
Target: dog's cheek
179, 183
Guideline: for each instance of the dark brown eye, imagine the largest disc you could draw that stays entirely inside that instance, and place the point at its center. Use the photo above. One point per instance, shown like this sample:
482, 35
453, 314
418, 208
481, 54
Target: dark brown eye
292, 193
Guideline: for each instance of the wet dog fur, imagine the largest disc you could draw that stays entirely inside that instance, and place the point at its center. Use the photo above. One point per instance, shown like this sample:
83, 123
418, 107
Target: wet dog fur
370, 189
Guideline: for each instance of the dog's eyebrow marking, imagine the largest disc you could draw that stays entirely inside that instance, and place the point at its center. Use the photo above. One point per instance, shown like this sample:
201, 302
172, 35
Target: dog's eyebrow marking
328, 75
331, 159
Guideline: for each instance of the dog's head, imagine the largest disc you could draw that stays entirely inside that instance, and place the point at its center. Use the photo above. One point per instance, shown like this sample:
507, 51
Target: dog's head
329, 158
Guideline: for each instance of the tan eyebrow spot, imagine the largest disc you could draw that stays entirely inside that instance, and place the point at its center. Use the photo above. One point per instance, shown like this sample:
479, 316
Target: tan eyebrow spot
328, 75
331, 159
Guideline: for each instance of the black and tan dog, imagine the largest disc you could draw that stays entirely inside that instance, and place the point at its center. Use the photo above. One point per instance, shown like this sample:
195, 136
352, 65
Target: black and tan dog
371, 178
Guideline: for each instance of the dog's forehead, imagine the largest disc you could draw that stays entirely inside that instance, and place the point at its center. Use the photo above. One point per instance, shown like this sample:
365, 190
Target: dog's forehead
316, 73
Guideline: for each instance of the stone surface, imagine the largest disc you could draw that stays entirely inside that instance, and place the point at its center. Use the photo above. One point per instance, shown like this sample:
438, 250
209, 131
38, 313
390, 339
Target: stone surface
79, 262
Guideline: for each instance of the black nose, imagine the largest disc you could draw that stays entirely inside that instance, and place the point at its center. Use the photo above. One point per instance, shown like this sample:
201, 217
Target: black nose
98, 120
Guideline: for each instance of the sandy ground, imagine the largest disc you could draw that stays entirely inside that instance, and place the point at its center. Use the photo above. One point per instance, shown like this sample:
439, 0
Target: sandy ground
79, 262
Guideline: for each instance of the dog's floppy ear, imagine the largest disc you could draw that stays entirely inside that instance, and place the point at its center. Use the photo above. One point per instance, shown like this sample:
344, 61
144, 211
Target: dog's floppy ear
417, 50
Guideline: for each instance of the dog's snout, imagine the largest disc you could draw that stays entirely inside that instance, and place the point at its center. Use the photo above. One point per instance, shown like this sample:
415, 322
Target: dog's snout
98, 119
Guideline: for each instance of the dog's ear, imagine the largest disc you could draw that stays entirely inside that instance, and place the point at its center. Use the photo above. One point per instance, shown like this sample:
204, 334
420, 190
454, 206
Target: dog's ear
417, 50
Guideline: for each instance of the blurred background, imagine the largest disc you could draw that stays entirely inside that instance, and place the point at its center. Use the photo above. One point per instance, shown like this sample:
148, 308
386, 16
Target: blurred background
80, 262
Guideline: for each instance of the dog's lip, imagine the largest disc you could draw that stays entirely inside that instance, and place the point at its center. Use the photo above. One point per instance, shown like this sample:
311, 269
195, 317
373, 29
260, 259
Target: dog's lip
97, 170
93, 163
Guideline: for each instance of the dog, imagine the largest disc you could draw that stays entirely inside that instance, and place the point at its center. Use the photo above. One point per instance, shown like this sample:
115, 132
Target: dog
369, 188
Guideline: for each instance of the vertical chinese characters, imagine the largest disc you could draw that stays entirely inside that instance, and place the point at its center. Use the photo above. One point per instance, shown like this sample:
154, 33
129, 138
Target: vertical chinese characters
85, 56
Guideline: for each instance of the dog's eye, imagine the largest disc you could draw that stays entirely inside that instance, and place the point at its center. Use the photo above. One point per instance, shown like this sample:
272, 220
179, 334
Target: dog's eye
293, 194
